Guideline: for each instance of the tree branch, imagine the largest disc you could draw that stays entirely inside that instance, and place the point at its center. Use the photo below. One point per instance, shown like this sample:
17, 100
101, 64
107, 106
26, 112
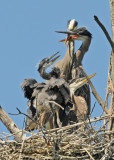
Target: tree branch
95, 92
81, 123
19, 112
105, 32
11, 126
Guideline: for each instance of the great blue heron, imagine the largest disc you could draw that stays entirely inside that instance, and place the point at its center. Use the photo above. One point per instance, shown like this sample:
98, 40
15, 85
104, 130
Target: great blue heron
30, 88
82, 95
47, 100
80, 34
63, 88
65, 65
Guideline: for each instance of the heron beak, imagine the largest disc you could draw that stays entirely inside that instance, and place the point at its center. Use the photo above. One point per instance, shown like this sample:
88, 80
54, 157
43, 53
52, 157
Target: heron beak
62, 40
64, 32
85, 80
65, 40
53, 55
53, 60
69, 38
79, 83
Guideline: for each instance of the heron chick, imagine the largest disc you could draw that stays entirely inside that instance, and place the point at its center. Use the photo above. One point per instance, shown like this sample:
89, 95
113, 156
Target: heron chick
47, 99
50, 102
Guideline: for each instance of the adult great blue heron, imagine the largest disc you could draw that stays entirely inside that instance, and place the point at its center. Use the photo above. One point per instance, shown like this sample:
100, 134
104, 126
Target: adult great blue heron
82, 95
80, 34
65, 64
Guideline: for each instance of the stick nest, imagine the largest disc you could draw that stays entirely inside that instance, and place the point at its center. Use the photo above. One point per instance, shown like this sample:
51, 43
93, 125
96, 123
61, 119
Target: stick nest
62, 143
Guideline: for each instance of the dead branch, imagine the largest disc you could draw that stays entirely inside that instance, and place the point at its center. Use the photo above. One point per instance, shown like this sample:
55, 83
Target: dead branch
56, 104
100, 101
11, 126
105, 32
110, 83
89, 154
37, 122
81, 123
21, 149
92, 109
19, 112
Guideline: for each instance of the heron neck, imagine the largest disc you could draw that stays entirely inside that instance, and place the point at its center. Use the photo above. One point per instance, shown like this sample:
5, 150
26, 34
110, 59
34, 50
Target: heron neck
65, 64
82, 50
71, 49
44, 74
67, 61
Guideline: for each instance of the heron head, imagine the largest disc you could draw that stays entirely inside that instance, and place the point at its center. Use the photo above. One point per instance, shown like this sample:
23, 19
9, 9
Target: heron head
79, 83
28, 86
46, 62
78, 34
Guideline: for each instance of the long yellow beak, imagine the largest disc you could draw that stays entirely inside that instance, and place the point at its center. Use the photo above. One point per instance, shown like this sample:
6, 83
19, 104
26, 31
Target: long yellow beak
79, 83
53, 60
85, 80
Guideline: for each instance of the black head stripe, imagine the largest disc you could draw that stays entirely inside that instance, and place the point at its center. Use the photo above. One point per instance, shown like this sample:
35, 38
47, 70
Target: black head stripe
86, 33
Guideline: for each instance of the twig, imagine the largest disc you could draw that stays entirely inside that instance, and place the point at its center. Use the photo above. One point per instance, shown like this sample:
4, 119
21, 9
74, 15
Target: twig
92, 109
99, 116
89, 154
100, 129
32, 120
56, 104
81, 123
10, 135
100, 101
105, 32
21, 149
104, 156
23, 114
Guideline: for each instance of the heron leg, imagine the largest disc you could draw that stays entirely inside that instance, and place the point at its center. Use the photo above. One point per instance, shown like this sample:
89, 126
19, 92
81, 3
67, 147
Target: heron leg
58, 120
46, 120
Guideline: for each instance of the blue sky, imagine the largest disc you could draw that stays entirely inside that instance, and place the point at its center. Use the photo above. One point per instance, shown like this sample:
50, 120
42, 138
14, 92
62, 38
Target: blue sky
27, 36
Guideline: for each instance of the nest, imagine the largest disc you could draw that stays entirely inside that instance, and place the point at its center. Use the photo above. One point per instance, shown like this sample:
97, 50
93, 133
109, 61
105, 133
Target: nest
79, 141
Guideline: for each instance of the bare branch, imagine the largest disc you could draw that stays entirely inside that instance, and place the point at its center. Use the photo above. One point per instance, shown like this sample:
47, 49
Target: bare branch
57, 104
92, 109
11, 126
100, 101
81, 123
37, 122
23, 114
89, 154
105, 32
